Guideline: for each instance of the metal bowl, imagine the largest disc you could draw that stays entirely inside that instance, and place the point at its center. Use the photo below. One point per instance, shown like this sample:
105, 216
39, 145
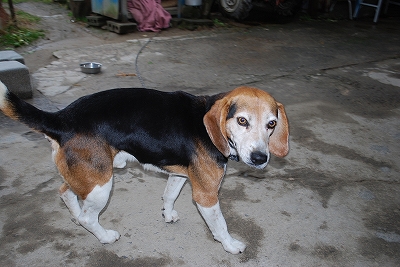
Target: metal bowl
90, 67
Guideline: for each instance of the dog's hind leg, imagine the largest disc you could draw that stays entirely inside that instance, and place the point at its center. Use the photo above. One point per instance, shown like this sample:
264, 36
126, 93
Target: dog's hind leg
171, 192
71, 201
85, 163
93, 204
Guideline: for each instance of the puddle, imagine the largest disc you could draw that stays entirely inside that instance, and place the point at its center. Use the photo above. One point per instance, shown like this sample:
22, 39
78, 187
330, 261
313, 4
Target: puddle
386, 78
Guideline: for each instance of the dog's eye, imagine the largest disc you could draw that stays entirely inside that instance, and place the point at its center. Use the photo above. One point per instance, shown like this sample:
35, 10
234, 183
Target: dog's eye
271, 124
242, 121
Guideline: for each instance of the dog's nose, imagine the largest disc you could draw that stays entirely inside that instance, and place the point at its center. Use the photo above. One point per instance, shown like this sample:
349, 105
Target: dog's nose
258, 158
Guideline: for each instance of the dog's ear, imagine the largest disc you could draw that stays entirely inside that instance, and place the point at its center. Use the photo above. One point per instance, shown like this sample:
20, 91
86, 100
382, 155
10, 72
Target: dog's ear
279, 140
215, 122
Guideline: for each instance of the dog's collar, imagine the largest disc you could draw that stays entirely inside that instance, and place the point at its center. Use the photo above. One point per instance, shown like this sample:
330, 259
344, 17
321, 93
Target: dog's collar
232, 145
234, 157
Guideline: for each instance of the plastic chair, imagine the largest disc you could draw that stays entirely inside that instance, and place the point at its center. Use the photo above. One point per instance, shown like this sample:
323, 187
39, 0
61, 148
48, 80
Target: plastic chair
377, 7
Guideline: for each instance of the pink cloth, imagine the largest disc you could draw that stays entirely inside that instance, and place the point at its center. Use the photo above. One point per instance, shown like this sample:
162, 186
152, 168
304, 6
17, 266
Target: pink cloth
149, 15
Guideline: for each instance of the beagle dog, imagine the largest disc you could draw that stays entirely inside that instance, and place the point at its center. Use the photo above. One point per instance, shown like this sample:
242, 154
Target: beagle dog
178, 133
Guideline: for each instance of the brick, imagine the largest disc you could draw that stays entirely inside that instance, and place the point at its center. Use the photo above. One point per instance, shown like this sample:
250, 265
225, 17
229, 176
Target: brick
11, 55
121, 28
97, 21
16, 77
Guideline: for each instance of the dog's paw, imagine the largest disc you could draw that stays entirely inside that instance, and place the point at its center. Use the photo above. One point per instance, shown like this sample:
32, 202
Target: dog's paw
171, 217
233, 246
110, 237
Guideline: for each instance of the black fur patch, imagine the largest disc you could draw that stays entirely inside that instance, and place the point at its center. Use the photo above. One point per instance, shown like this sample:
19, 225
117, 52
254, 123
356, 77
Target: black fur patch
159, 128
232, 111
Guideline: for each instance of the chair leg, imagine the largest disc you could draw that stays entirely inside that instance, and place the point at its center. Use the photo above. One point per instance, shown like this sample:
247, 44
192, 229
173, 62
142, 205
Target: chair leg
357, 8
378, 9
350, 10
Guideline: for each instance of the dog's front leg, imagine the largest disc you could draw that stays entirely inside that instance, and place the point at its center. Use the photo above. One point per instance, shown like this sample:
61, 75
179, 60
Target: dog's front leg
172, 190
217, 224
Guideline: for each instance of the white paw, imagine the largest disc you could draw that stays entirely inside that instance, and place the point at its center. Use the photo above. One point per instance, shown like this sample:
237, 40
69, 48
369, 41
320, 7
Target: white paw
170, 217
233, 246
110, 237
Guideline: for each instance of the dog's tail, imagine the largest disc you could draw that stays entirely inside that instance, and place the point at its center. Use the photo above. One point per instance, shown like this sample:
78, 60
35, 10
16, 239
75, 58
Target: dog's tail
17, 109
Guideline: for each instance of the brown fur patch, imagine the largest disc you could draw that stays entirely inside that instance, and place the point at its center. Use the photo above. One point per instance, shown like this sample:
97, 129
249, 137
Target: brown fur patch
215, 121
205, 176
177, 169
64, 187
279, 140
9, 111
253, 99
85, 162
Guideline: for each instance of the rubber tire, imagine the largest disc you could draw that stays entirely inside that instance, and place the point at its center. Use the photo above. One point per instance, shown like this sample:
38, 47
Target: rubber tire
235, 9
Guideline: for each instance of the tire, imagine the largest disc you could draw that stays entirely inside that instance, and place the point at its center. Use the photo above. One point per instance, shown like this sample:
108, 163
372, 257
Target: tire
235, 9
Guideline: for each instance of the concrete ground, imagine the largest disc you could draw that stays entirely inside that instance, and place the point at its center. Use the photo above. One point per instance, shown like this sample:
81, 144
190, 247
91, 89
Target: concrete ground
333, 201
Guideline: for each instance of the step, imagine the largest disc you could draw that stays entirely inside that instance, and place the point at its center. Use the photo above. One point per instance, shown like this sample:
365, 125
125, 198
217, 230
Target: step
15, 76
10, 55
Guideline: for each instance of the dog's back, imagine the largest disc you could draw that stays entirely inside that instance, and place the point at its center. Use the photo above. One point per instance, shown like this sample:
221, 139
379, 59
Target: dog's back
166, 123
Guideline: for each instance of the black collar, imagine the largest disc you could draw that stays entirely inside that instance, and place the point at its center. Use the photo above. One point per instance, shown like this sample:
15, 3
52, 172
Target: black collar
234, 157
232, 145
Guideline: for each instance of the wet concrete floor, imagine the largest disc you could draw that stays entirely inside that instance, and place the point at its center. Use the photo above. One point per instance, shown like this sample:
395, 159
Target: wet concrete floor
333, 201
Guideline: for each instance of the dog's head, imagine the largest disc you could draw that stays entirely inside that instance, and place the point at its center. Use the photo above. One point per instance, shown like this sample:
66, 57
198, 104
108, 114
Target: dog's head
248, 124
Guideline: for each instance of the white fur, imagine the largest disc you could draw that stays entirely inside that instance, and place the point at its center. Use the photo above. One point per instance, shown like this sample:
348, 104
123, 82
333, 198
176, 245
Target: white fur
250, 139
71, 201
91, 208
3, 91
54, 147
217, 224
171, 192
122, 157
150, 167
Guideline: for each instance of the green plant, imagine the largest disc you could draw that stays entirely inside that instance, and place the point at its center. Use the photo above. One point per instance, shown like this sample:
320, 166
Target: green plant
26, 17
218, 23
16, 37
22, 33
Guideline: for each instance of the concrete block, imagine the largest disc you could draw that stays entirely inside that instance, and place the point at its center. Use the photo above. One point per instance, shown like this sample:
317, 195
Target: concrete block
16, 77
121, 28
9, 55
96, 21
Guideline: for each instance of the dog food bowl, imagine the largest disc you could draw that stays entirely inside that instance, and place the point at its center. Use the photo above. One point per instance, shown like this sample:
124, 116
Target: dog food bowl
90, 67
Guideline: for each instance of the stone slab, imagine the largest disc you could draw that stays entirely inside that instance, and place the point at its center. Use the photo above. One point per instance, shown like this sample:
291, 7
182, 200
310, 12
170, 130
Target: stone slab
15, 76
10, 55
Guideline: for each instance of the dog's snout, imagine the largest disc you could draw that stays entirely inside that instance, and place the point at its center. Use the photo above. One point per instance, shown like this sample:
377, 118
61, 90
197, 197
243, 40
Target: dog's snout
258, 158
